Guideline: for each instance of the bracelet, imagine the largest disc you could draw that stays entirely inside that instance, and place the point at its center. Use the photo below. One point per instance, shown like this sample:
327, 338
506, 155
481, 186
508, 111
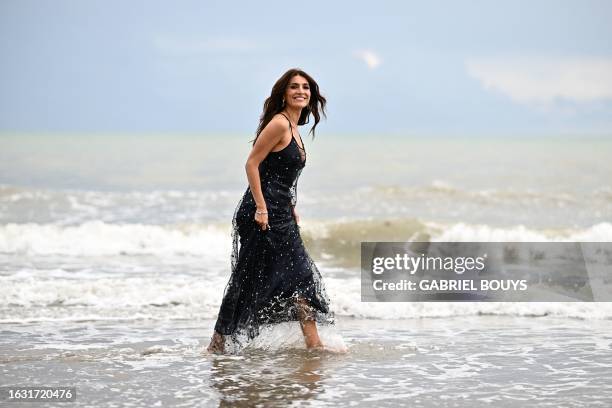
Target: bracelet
261, 212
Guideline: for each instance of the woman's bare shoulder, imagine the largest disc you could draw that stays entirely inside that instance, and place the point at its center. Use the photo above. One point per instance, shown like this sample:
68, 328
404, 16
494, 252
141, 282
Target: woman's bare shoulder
279, 118
276, 124
273, 132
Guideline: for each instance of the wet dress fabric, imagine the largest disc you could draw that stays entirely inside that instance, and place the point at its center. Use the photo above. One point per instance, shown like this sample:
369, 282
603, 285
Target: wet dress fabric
271, 269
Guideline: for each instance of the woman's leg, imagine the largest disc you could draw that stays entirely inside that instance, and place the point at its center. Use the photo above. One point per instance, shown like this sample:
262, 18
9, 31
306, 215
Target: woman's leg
217, 343
308, 324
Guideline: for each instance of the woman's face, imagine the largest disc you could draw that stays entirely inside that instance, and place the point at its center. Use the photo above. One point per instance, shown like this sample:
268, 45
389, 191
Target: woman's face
297, 95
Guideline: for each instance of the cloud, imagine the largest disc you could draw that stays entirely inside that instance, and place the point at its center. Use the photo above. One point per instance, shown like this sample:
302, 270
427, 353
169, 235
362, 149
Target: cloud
545, 81
371, 59
176, 45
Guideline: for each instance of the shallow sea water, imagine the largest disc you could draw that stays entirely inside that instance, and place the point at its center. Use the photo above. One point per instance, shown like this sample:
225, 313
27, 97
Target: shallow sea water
471, 361
115, 249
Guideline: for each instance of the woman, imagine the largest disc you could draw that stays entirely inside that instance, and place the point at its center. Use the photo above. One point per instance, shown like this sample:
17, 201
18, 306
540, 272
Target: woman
273, 278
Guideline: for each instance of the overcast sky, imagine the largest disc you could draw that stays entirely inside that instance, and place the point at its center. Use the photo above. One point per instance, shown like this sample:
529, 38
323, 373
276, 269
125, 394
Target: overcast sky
452, 67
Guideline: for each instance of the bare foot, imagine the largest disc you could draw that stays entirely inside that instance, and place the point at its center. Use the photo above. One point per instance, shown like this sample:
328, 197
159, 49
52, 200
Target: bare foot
211, 350
216, 345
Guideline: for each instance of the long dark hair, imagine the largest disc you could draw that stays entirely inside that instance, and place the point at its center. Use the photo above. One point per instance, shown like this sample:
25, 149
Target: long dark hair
274, 103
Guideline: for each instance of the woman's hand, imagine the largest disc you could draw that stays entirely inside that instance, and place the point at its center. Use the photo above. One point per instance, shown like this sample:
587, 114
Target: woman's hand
295, 214
262, 219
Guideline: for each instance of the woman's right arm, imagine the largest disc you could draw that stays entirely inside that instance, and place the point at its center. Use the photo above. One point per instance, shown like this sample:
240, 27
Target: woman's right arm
268, 138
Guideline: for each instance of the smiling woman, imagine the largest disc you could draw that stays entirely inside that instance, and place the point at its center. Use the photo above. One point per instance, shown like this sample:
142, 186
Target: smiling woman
273, 277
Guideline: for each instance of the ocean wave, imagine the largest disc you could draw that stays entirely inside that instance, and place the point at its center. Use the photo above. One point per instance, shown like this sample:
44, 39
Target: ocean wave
441, 189
438, 199
171, 298
99, 238
334, 239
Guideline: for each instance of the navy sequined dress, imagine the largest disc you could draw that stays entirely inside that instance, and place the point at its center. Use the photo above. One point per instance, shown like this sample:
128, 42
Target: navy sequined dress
271, 268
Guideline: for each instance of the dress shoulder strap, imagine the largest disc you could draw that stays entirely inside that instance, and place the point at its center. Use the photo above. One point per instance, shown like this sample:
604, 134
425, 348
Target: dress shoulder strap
290, 127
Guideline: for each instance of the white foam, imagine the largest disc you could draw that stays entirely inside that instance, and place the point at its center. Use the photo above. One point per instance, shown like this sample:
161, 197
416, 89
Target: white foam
462, 232
289, 335
185, 295
94, 238
345, 295
97, 292
107, 300
100, 238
